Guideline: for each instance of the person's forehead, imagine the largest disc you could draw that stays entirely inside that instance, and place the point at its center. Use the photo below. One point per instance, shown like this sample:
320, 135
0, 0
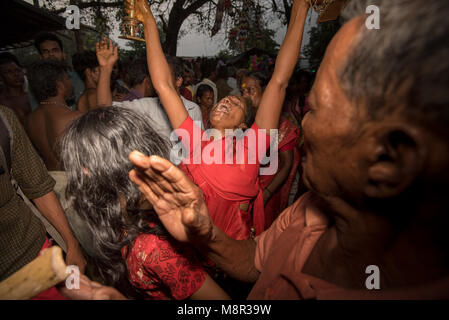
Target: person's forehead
49, 44
250, 81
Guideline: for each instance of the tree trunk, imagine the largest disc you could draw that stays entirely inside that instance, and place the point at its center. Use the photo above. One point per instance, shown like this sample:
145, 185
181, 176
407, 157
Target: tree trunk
177, 16
79, 41
171, 38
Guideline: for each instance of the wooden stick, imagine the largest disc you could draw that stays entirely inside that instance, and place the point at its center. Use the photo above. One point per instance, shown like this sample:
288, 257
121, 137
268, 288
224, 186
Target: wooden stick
42, 273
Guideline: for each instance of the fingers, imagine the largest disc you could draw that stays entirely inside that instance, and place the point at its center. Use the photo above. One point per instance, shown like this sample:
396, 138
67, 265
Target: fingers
148, 174
144, 188
139, 160
105, 45
128, 7
163, 168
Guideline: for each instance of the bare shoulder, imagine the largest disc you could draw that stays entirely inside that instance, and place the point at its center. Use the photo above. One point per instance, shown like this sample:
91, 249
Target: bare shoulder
35, 118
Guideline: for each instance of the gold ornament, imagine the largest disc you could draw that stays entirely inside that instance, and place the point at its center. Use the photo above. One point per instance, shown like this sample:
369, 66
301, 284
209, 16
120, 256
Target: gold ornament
131, 28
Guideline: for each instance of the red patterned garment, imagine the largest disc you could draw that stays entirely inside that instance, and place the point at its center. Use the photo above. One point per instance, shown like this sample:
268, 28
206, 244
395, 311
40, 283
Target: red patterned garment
288, 140
164, 268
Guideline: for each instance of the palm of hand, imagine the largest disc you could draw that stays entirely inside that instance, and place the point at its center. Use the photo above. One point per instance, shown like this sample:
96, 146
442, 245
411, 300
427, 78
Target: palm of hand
179, 212
178, 201
106, 57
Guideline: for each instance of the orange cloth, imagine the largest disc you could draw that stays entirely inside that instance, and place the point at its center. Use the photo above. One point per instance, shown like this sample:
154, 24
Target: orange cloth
283, 249
226, 186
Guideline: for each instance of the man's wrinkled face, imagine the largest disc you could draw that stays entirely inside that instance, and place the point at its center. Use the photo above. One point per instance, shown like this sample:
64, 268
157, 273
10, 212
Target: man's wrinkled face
12, 75
51, 50
333, 146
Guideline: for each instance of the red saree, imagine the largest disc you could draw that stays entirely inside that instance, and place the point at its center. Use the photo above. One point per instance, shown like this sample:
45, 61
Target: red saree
226, 186
288, 140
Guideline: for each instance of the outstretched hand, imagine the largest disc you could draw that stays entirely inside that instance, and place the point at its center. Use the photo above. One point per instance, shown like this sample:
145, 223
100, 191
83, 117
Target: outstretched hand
141, 9
107, 53
178, 201
91, 290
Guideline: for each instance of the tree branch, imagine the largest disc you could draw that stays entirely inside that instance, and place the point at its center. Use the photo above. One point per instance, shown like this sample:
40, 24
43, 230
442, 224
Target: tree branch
164, 24
193, 7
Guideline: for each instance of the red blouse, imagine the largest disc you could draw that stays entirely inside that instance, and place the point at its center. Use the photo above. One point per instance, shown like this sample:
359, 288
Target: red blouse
227, 185
164, 268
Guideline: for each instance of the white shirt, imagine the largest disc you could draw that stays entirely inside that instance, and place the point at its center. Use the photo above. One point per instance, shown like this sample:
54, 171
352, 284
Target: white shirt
153, 109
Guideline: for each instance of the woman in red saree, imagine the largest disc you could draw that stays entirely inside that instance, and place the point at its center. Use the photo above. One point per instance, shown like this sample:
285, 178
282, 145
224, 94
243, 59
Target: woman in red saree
231, 190
276, 187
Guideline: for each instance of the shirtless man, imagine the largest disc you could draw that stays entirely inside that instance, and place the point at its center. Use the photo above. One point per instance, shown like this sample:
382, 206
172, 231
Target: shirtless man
49, 46
86, 65
51, 86
14, 97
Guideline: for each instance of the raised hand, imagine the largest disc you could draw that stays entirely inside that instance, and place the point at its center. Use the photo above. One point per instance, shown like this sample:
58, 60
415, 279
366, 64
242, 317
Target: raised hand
178, 201
107, 53
141, 9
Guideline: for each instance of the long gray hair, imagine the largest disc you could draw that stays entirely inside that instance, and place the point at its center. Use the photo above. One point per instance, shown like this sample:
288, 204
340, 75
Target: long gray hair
95, 152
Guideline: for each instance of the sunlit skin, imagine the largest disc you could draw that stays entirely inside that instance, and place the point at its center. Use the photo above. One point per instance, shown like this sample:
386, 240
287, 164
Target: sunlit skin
50, 49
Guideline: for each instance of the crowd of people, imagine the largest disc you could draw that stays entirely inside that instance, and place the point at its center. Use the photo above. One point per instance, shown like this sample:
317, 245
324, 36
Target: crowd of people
360, 158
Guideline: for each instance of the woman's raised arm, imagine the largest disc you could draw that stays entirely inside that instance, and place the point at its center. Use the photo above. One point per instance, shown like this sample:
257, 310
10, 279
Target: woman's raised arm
161, 74
270, 106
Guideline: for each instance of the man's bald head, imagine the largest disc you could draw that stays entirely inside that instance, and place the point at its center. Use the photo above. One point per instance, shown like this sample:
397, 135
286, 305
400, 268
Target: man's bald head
404, 64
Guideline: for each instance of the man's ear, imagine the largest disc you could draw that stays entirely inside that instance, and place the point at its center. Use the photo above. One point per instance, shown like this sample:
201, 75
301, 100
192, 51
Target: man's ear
60, 87
397, 155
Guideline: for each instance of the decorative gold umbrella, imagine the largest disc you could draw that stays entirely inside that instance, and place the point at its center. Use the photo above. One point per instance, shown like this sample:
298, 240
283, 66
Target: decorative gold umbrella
131, 28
